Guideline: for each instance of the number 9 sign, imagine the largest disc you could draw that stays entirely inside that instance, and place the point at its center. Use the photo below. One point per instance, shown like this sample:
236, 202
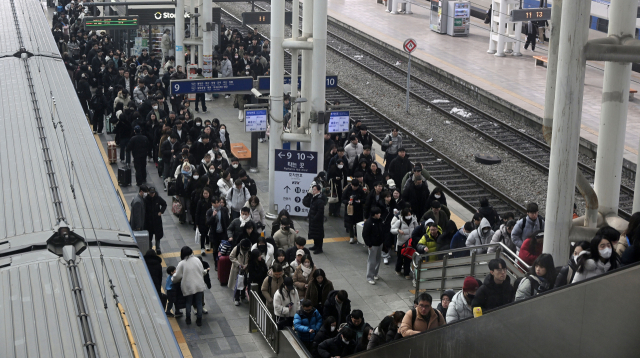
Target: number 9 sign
176, 87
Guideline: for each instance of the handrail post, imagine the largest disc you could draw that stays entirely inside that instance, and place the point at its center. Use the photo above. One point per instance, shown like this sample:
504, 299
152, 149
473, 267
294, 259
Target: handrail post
444, 272
252, 309
417, 276
472, 271
498, 252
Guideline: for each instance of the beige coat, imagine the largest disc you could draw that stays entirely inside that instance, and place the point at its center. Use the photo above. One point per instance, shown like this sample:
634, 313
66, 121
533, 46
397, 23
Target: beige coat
421, 325
237, 257
285, 240
269, 292
299, 282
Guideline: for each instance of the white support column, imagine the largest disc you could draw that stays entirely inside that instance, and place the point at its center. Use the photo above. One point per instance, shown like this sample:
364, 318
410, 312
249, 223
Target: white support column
179, 32
207, 36
613, 116
552, 70
295, 34
636, 197
510, 31
493, 25
307, 67
518, 36
502, 30
277, 87
566, 128
319, 76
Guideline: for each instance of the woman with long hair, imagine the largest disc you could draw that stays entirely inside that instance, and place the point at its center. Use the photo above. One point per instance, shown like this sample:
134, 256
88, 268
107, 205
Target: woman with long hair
598, 260
540, 278
567, 272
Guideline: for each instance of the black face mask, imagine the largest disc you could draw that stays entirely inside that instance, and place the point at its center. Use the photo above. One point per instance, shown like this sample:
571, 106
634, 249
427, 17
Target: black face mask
262, 248
470, 296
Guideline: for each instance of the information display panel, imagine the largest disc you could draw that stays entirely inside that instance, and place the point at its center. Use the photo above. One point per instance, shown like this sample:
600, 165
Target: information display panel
255, 120
338, 122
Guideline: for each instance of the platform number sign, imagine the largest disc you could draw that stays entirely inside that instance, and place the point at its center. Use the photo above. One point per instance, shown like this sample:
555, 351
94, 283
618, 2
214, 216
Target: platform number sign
294, 172
410, 45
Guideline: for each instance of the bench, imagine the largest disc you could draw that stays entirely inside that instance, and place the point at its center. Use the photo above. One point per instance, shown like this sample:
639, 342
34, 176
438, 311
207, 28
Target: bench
541, 60
632, 92
241, 152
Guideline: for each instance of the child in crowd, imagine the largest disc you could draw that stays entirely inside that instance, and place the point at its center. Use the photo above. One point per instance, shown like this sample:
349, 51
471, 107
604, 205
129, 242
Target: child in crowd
171, 293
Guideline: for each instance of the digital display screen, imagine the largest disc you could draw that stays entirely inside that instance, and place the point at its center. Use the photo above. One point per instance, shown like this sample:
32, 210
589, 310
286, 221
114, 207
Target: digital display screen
255, 120
111, 22
338, 122
534, 14
263, 17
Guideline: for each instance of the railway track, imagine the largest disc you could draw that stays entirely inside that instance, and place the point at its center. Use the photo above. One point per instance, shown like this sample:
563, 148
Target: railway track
523, 146
458, 182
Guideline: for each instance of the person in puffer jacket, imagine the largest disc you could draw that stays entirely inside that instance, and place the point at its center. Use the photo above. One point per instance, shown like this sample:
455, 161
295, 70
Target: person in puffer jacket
504, 236
307, 322
428, 243
459, 240
480, 236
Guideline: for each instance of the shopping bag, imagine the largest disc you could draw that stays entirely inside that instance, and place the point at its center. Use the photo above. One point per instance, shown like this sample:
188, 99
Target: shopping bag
350, 210
176, 207
197, 235
240, 281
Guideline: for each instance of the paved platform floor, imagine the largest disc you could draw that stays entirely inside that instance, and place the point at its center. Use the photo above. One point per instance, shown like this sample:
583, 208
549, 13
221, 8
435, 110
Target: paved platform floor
224, 332
515, 79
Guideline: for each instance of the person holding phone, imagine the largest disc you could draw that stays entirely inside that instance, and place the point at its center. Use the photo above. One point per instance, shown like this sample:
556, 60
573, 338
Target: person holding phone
286, 303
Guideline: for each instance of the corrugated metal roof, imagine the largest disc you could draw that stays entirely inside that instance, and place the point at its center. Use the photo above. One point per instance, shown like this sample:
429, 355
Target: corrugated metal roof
25, 201
40, 316
34, 28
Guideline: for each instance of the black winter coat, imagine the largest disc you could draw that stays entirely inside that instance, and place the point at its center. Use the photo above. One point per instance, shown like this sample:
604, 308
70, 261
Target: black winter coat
212, 221
561, 279
316, 218
331, 308
139, 146
417, 197
201, 212
398, 168
358, 203
373, 232
335, 347
322, 335
154, 264
490, 295
155, 205
490, 214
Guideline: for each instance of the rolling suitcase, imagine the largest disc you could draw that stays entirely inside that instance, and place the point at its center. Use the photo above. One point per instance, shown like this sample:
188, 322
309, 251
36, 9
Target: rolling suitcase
124, 176
224, 269
171, 187
112, 152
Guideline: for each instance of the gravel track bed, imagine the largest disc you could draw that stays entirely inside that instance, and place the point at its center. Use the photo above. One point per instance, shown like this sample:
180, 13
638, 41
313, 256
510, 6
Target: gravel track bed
512, 177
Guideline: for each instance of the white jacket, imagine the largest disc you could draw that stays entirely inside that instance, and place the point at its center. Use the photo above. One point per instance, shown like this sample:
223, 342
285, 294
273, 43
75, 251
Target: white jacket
268, 257
281, 304
399, 224
191, 275
257, 214
352, 152
458, 308
224, 187
591, 269
222, 151
476, 238
236, 198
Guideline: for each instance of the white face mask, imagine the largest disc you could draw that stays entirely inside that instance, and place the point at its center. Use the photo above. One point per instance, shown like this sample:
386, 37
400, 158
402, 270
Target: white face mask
234, 165
408, 217
196, 177
333, 328
245, 217
198, 124
340, 166
212, 171
605, 253
144, 195
155, 107
222, 131
437, 196
307, 264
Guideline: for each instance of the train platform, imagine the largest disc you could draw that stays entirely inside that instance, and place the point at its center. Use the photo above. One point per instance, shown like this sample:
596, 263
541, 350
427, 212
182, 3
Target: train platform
516, 80
225, 329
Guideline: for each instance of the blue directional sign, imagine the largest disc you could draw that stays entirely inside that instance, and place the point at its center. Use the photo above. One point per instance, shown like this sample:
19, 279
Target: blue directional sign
294, 172
255, 120
264, 82
209, 85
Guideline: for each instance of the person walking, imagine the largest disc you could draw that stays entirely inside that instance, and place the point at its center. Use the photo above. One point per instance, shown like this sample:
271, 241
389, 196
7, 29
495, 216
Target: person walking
373, 236
316, 219
190, 273
155, 207
390, 145
138, 209
139, 146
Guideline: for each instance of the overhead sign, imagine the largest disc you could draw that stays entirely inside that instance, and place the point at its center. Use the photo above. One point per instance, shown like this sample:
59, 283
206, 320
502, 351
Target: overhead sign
532, 14
111, 22
338, 122
264, 82
255, 120
225, 85
262, 18
294, 172
410, 45
164, 15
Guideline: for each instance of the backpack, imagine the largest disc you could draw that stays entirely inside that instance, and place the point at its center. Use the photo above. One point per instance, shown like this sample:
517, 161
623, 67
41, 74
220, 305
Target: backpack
306, 201
414, 315
409, 248
524, 217
532, 287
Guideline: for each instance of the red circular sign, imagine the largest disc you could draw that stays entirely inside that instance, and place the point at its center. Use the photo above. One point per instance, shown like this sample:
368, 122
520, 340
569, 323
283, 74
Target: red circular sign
410, 45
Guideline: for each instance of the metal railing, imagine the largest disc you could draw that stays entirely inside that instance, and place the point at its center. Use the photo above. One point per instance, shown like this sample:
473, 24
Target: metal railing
260, 319
450, 272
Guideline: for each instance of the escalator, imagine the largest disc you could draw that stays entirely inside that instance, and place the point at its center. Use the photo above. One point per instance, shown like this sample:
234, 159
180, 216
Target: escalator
596, 318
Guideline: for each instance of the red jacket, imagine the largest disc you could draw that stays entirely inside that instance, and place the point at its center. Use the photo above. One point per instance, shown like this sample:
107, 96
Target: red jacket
529, 254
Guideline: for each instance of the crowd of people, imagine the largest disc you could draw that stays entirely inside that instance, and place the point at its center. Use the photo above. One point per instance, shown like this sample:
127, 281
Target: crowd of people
213, 193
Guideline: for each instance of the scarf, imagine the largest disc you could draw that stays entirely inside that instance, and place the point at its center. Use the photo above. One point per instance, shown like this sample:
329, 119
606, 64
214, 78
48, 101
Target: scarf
243, 221
305, 271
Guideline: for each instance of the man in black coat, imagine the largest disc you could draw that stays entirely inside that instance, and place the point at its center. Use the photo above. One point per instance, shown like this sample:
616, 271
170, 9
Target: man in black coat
218, 221
154, 264
199, 148
373, 235
155, 207
399, 166
355, 196
496, 290
139, 147
181, 131
417, 194
316, 219
341, 345
337, 305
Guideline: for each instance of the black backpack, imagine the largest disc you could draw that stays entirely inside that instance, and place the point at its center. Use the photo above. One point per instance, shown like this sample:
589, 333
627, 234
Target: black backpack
414, 315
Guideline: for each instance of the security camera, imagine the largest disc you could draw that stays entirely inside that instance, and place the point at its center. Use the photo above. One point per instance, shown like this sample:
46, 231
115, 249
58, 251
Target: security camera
256, 93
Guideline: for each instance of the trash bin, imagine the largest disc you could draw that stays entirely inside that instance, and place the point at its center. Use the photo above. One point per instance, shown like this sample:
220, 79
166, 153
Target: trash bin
359, 228
142, 239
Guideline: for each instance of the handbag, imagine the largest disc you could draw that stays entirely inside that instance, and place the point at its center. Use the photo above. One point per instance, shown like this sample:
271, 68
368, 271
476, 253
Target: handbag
333, 195
240, 280
176, 207
197, 235
350, 210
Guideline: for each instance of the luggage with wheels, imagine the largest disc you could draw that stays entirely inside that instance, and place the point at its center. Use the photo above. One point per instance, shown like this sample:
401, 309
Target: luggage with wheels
224, 269
112, 152
171, 187
124, 176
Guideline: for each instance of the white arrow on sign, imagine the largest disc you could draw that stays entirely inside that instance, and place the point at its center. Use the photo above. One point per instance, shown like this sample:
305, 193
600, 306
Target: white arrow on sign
280, 154
311, 156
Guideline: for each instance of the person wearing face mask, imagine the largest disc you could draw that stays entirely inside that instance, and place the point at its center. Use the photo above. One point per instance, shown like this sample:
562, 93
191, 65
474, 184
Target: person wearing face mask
196, 133
256, 269
266, 250
218, 164
341, 345
337, 176
328, 331
285, 237
531, 248
138, 209
239, 259
237, 197
185, 185
568, 272
460, 305
139, 146
481, 236
200, 96
598, 260
217, 221
307, 322
225, 142
218, 154
459, 240
303, 276
199, 148
402, 226
286, 303
540, 278
236, 228
353, 198
224, 183
417, 193
205, 164
157, 110
257, 213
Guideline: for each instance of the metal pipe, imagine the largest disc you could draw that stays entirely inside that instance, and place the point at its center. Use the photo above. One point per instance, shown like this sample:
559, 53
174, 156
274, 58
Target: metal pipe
296, 137
615, 101
563, 165
179, 32
307, 69
612, 53
277, 88
295, 32
318, 91
297, 45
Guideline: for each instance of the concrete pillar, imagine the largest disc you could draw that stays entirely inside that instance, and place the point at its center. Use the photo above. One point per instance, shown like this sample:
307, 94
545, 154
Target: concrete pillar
566, 127
319, 76
552, 70
307, 67
492, 44
277, 87
179, 32
613, 116
501, 28
295, 31
207, 36
636, 197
